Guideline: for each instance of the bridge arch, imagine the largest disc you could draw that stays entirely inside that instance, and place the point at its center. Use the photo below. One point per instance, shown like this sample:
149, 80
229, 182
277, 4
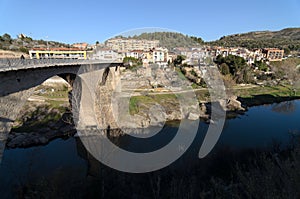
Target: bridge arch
17, 85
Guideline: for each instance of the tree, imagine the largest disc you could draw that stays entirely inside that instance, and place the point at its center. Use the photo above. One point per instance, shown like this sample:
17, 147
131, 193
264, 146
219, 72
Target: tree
261, 65
178, 60
198, 39
286, 51
132, 62
24, 50
6, 37
97, 42
235, 63
224, 69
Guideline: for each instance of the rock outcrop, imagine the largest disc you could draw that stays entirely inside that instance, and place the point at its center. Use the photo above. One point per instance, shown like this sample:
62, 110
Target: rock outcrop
234, 105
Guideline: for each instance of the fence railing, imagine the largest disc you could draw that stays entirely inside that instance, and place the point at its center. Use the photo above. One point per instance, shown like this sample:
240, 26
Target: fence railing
14, 64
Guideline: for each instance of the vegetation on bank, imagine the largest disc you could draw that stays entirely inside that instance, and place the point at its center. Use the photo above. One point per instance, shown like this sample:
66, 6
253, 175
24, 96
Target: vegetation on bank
253, 85
35, 117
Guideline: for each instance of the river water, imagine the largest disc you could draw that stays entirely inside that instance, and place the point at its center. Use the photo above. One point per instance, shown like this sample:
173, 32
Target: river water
63, 169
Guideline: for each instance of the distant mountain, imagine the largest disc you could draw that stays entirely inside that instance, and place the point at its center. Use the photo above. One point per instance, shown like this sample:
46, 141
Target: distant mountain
170, 40
288, 39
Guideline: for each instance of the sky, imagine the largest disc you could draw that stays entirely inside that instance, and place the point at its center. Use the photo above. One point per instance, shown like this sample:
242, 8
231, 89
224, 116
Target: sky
72, 21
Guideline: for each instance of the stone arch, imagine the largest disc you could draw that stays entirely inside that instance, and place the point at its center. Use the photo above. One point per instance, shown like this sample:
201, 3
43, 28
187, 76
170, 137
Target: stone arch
16, 87
14, 92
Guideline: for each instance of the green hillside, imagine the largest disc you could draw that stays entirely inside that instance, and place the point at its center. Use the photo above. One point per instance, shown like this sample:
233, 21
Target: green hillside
26, 43
171, 40
288, 39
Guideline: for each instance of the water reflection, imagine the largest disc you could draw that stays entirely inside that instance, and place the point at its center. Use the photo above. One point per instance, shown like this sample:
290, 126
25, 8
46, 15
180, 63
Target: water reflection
65, 169
287, 107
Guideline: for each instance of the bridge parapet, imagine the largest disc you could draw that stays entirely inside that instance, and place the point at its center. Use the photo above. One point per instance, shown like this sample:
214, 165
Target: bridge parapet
18, 64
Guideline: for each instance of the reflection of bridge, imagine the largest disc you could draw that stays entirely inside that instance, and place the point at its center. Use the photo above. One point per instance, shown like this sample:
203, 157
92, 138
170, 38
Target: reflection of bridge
19, 77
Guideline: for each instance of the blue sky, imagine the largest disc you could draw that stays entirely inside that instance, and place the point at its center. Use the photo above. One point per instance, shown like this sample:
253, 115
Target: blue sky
73, 21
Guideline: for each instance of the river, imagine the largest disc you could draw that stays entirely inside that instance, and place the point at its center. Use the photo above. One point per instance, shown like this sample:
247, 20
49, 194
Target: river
63, 169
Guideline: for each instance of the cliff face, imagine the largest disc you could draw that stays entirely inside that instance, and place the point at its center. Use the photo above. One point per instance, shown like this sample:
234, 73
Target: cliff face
150, 98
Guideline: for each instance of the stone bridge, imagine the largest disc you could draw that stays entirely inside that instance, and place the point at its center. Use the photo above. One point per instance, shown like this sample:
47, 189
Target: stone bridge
19, 78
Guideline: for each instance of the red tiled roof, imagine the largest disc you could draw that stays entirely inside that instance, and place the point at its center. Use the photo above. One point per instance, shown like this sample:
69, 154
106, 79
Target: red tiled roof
57, 49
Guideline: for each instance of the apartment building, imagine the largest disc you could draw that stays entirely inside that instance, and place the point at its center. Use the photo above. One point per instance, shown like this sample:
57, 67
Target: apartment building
273, 54
121, 44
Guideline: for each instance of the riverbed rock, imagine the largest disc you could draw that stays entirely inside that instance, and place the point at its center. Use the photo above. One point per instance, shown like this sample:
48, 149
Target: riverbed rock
234, 105
157, 115
193, 116
42, 140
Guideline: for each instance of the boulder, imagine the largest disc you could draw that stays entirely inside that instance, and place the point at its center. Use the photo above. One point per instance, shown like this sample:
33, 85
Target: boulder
234, 105
193, 116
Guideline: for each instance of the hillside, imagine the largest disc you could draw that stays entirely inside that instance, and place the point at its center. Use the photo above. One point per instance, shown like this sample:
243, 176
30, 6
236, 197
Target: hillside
24, 44
288, 39
170, 40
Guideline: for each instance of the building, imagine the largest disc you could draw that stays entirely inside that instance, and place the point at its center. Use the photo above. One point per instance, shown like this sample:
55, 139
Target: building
138, 54
160, 55
57, 53
121, 44
106, 54
273, 54
81, 46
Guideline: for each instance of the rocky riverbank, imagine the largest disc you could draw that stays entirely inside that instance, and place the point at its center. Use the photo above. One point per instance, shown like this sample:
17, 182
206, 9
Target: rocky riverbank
38, 126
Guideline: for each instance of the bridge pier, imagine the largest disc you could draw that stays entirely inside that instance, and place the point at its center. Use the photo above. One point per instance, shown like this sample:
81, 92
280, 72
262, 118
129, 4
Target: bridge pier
96, 90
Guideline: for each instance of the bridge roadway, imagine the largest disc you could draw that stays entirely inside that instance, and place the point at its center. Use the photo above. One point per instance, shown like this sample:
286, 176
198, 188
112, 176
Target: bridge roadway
18, 64
19, 77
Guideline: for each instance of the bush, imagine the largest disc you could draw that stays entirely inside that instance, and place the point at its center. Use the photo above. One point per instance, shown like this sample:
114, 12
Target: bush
224, 69
261, 65
24, 50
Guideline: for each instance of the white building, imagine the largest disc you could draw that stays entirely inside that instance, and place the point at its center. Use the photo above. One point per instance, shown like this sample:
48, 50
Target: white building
106, 54
160, 55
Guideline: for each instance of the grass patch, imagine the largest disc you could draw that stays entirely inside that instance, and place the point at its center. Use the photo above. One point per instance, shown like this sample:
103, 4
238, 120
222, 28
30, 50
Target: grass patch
55, 94
180, 74
275, 91
266, 95
57, 104
133, 106
137, 103
195, 86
